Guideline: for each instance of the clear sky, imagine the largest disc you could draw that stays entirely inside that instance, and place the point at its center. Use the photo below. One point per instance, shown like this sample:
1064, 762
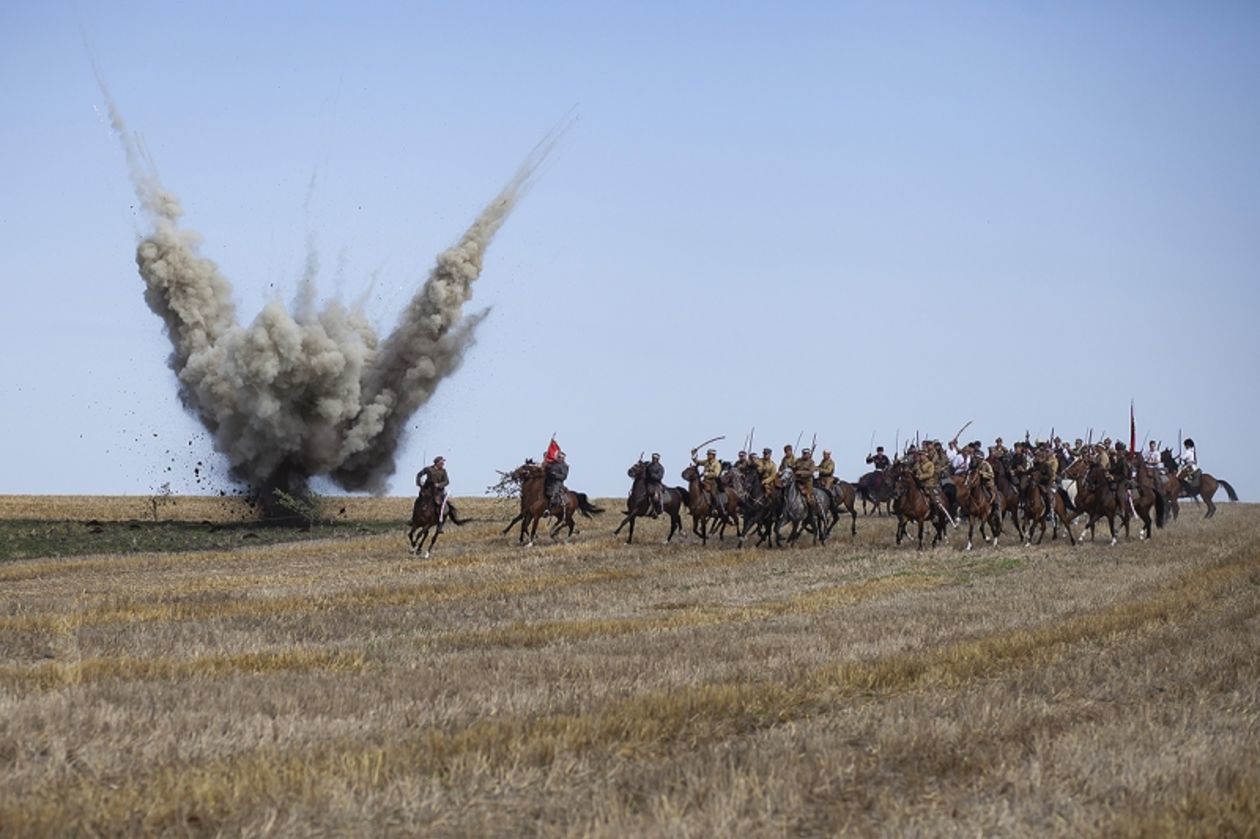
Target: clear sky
827, 218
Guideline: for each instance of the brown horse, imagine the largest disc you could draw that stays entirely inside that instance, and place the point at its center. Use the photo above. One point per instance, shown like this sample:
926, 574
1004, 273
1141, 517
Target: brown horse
639, 504
699, 503
1205, 488
913, 504
843, 497
1008, 491
876, 488
426, 516
978, 504
1035, 513
1098, 499
534, 504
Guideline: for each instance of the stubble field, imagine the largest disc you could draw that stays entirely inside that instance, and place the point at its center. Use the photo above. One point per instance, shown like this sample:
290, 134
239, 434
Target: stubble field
334, 684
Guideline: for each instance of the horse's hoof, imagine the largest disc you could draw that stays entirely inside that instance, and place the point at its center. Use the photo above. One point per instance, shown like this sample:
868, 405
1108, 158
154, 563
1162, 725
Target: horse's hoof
1113, 542
425, 556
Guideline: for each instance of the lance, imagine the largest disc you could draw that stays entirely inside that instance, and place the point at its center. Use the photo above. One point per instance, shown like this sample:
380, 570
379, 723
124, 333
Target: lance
966, 425
707, 442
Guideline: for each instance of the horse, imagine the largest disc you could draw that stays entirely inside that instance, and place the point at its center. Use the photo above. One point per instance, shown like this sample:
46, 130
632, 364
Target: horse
1096, 497
913, 504
1035, 504
1146, 495
726, 510
535, 504
842, 496
979, 505
639, 504
1205, 488
759, 509
799, 513
699, 503
876, 488
1008, 491
426, 516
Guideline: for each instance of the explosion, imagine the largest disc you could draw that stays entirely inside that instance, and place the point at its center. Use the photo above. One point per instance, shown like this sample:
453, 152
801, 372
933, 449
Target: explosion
306, 392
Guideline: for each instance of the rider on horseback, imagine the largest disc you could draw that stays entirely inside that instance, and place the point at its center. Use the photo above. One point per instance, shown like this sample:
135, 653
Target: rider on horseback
924, 475
827, 471
803, 471
879, 460
1047, 466
433, 481
766, 470
984, 469
712, 468
653, 475
1189, 471
554, 475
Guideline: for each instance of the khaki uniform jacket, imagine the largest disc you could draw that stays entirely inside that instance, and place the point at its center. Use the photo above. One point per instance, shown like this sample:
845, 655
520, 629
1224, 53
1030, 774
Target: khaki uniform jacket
827, 472
925, 472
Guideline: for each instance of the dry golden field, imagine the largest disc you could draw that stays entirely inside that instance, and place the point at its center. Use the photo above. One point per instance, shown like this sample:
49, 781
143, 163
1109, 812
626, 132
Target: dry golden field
340, 686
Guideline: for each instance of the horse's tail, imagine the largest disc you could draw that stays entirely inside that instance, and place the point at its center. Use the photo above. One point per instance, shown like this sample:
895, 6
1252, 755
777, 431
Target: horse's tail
685, 494
585, 506
1161, 509
1229, 490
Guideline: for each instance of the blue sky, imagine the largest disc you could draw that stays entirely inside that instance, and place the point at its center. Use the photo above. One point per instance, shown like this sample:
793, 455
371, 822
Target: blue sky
824, 218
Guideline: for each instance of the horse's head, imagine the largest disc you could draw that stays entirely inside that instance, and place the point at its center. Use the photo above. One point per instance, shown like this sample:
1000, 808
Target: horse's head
1166, 458
731, 479
526, 471
636, 470
690, 473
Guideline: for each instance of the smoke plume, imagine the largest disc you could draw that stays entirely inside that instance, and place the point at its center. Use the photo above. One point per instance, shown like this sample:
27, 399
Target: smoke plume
309, 391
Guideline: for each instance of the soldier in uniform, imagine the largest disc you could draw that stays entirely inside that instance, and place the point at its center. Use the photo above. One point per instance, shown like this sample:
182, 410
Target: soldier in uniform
997, 449
554, 475
879, 460
653, 475
827, 471
710, 468
984, 469
766, 470
1119, 471
1047, 466
788, 460
939, 459
924, 475
803, 472
433, 480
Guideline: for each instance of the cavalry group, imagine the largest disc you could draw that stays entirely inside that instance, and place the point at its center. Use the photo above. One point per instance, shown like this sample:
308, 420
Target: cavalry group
1030, 487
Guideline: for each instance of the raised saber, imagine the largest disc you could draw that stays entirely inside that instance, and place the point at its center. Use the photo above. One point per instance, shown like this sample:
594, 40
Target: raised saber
707, 442
966, 425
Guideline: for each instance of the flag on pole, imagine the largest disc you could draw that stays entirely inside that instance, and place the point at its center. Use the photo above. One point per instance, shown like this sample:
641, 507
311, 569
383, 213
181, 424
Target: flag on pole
553, 449
1133, 430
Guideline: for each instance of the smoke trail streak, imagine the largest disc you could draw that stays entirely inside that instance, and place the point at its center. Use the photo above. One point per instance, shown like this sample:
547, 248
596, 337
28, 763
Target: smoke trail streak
312, 392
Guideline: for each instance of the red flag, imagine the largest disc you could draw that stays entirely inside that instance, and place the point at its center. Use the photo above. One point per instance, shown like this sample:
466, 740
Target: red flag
553, 449
1133, 430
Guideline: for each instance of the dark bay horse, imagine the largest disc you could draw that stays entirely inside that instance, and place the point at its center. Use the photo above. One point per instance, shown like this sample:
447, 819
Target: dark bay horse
913, 504
842, 497
534, 505
1008, 491
1035, 502
759, 509
876, 488
699, 503
979, 506
1098, 498
1205, 488
425, 517
639, 504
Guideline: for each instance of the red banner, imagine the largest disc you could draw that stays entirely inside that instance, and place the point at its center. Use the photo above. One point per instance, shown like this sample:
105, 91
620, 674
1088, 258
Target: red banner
553, 449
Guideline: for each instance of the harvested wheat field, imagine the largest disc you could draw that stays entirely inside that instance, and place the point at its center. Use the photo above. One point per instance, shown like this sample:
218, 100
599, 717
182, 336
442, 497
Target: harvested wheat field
336, 684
